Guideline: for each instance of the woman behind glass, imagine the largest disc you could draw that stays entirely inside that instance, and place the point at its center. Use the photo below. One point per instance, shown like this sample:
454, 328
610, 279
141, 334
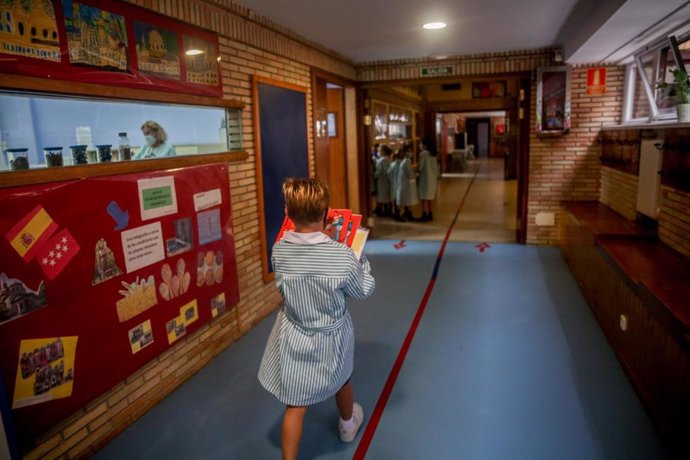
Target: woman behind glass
156, 145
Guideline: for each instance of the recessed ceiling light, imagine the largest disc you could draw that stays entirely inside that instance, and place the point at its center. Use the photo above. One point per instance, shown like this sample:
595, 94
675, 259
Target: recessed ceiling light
193, 52
434, 25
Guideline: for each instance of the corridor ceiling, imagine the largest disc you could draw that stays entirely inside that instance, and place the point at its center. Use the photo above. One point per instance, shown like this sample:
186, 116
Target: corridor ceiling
589, 31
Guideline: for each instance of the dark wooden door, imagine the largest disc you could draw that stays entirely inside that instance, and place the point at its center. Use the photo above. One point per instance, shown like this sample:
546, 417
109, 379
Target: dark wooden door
329, 140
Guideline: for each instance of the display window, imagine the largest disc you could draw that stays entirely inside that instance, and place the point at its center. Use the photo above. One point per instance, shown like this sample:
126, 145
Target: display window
38, 131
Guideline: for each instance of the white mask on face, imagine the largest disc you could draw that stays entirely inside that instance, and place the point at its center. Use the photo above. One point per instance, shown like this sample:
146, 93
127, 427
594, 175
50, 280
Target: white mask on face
150, 140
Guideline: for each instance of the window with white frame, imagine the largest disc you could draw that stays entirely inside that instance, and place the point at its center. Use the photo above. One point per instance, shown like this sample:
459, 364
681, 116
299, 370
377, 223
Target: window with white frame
650, 89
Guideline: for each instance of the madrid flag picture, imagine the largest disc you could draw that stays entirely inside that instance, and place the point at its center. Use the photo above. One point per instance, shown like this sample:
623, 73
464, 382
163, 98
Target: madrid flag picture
54, 256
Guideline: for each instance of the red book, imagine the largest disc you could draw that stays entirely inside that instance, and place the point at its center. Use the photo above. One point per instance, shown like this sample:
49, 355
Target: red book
337, 224
341, 225
288, 226
355, 221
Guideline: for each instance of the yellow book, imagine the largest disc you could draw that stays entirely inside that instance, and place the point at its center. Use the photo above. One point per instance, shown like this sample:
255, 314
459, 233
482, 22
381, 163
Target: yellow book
359, 240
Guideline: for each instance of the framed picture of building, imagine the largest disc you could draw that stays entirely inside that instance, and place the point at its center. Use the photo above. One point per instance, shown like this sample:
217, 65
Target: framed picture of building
108, 42
157, 49
201, 61
29, 29
95, 37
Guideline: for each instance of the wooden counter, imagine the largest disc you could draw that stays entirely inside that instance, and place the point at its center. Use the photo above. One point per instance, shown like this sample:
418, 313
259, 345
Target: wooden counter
660, 278
601, 220
639, 291
644, 259
45, 175
674, 295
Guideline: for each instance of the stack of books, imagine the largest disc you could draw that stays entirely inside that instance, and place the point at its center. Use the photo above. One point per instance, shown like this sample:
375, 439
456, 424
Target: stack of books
341, 225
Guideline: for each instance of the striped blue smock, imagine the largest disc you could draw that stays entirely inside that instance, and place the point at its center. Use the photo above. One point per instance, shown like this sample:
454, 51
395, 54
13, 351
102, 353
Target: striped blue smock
310, 351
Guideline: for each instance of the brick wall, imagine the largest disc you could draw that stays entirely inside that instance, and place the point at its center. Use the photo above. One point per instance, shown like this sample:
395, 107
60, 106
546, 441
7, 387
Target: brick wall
674, 220
619, 192
567, 167
249, 46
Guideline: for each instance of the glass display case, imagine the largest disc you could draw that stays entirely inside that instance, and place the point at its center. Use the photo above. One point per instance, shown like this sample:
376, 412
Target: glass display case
400, 124
391, 124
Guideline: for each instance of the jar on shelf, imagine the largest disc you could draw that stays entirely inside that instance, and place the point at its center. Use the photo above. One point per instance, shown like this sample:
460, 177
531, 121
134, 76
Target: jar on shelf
124, 147
18, 158
53, 156
78, 154
104, 152
91, 156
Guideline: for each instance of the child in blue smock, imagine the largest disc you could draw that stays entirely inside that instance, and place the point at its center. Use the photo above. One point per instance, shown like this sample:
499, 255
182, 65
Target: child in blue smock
393, 181
383, 185
407, 184
428, 177
309, 354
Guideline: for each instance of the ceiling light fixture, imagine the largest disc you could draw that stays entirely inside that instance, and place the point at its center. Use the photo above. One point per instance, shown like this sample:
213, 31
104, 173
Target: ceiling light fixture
434, 25
193, 52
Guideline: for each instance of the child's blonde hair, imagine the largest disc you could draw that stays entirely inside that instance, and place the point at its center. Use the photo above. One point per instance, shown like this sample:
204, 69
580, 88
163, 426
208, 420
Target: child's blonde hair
306, 200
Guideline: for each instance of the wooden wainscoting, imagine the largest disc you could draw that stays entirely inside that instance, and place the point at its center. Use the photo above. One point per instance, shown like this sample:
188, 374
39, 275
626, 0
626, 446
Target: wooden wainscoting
653, 345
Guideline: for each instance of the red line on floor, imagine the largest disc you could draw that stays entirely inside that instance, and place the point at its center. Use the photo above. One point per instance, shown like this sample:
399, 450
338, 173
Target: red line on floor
376, 414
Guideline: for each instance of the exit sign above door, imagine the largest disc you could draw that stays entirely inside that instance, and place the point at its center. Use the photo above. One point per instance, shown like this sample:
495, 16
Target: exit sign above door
436, 71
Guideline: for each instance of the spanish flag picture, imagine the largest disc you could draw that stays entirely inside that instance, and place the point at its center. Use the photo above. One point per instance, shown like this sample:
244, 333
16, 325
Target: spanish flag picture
30, 233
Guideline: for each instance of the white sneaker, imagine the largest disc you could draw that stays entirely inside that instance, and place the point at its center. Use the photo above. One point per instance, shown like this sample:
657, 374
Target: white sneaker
348, 435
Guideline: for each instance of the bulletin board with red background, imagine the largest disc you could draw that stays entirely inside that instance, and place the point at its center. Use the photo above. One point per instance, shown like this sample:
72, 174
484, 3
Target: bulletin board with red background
133, 77
107, 208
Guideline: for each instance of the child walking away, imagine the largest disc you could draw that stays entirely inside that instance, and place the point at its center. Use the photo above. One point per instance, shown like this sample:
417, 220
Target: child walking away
428, 177
407, 184
310, 351
393, 181
383, 186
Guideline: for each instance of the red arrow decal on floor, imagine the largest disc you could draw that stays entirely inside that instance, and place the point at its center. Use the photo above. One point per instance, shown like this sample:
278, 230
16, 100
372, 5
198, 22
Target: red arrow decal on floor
483, 246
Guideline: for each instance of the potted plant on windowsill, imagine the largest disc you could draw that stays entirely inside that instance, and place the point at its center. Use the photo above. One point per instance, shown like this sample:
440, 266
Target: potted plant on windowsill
681, 91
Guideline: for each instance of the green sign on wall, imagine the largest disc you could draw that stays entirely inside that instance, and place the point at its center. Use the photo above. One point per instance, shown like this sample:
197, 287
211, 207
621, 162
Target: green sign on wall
436, 71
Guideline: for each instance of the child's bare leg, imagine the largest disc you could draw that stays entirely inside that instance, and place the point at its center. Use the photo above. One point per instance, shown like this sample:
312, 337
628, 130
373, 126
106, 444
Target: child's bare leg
344, 398
293, 421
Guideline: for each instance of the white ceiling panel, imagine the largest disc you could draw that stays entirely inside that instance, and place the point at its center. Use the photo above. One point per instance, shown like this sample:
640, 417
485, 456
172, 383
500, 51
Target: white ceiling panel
381, 30
372, 30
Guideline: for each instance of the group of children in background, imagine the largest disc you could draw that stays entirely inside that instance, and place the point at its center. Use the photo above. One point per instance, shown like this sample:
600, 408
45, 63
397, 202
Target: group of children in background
395, 177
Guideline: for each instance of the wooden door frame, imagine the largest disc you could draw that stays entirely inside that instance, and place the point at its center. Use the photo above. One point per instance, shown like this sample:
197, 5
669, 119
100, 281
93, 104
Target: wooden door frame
317, 73
524, 127
256, 79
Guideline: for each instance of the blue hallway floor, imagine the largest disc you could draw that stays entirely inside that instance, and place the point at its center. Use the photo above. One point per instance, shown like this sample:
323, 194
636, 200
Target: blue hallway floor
507, 363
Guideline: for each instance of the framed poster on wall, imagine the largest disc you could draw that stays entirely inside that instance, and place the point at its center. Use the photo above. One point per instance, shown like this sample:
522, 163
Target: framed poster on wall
158, 53
108, 42
488, 89
553, 100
